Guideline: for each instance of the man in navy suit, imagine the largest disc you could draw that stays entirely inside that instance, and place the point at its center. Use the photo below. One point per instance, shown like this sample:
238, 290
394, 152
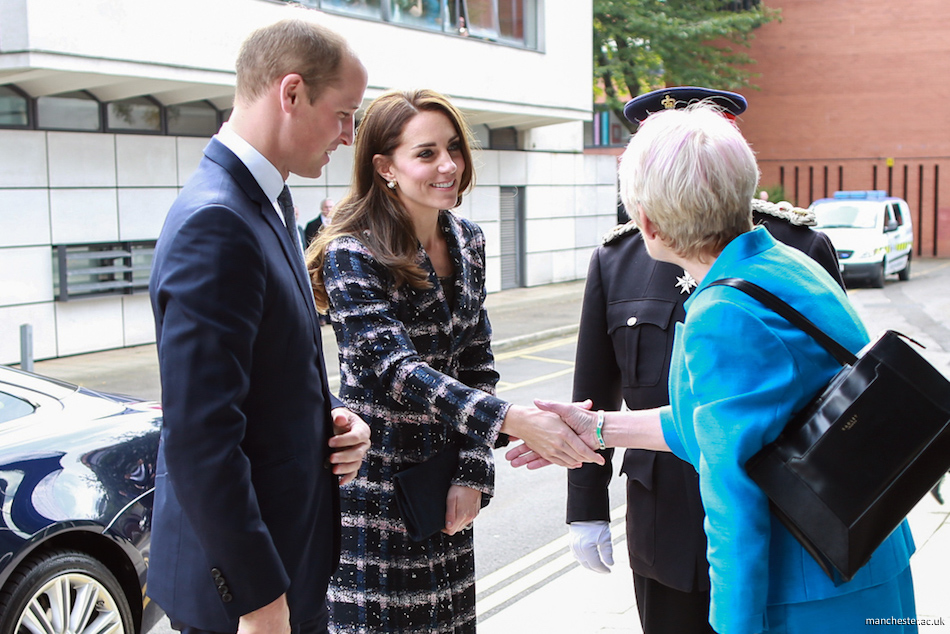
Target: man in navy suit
246, 522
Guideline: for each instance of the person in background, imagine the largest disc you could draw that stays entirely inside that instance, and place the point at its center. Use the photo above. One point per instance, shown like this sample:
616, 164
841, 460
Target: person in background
403, 278
313, 228
321, 221
631, 306
246, 524
737, 374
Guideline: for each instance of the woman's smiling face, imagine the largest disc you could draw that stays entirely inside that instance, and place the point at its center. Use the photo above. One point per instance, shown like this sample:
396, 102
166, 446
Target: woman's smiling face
427, 164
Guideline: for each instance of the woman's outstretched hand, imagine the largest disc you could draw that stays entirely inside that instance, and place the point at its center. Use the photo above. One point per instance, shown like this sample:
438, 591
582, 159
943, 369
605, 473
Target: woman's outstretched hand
578, 418
549, 440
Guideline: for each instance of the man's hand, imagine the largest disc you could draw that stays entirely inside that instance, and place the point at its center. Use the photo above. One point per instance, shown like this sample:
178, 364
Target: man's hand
273, 618
349, 444
461, 507
591, 544
547, 436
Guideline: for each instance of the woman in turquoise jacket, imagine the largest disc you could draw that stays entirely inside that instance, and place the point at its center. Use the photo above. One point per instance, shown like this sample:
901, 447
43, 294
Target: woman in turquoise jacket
738, 373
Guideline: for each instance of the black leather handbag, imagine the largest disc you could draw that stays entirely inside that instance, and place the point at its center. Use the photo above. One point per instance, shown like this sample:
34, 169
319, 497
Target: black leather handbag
849, 467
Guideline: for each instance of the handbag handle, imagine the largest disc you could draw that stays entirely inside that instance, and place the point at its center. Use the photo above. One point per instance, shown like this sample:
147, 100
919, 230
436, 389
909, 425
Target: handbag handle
841, 354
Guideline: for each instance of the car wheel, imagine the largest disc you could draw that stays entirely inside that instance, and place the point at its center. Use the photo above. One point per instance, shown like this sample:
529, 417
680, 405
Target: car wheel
64, 591
904, 274
877, 280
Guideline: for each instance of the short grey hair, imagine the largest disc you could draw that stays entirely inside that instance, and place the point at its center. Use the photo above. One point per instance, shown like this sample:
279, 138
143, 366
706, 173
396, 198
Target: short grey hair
694, 175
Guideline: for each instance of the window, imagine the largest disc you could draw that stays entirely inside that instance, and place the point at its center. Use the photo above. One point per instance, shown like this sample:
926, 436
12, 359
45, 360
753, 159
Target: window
68, 111
14, 108
12, 408
366, 8
605, 130
113, 268
81, 111
427, 14
481, 18
139, 114
511, 20
197, 118
508, 21
897, 214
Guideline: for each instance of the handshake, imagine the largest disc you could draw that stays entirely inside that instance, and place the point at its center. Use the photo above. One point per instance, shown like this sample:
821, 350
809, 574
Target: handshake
554, 433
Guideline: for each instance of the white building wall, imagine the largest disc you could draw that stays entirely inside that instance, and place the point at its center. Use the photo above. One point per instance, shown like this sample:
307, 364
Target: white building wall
65, 187
73, 187
183, 41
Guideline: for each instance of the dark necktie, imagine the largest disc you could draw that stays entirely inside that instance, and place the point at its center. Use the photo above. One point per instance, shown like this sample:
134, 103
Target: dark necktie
290, 218
286, 204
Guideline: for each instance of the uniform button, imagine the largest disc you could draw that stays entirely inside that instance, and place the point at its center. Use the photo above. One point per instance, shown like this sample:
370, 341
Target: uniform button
632, 321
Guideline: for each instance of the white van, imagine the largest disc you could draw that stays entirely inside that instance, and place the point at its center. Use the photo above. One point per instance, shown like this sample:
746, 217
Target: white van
871, 231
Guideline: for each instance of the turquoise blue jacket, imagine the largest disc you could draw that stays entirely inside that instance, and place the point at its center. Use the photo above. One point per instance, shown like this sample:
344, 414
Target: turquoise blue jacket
738, 373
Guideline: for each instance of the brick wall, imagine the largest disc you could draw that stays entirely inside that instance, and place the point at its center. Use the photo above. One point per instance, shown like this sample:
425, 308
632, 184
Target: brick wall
846, 85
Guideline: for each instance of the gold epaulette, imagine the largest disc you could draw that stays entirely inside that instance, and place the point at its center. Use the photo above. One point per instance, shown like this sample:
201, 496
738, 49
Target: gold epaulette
618, 232
786, 211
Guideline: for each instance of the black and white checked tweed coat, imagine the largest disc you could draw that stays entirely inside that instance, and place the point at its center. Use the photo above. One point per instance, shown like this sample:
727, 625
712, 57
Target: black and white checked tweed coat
420, 373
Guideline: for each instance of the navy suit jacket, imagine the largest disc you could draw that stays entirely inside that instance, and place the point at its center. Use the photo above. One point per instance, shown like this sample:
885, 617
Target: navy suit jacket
246, 507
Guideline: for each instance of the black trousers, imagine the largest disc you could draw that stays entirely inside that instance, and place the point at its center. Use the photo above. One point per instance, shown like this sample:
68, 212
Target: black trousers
664, 610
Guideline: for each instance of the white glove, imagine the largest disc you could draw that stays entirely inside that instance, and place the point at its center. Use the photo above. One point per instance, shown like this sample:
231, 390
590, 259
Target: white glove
591, 545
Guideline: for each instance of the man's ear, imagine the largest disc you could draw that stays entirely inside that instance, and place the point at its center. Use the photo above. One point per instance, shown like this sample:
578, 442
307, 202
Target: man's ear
292, 90
383, 166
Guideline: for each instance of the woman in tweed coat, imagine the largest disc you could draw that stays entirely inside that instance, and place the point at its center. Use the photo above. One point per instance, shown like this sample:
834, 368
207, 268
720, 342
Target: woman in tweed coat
404, 281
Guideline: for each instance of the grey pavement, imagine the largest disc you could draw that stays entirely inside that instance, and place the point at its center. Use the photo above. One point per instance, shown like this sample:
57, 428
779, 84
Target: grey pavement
576, 601
518, 316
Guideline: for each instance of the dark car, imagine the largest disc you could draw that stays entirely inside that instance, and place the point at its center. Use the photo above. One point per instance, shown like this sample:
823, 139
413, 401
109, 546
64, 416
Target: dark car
77, 478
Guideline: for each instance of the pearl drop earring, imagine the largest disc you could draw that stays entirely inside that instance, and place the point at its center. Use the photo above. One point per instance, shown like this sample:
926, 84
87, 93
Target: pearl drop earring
391, 184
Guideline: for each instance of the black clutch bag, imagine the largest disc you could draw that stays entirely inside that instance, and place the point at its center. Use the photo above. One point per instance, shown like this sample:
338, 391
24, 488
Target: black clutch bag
421, 491
849, 467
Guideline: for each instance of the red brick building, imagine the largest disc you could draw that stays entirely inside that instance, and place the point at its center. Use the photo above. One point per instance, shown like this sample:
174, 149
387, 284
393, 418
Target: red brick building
854, 94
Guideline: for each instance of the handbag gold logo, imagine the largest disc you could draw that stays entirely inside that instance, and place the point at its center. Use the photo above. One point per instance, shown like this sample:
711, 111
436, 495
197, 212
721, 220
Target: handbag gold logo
851, 423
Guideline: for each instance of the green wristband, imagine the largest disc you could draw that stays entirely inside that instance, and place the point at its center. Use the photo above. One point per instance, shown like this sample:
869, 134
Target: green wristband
599, 431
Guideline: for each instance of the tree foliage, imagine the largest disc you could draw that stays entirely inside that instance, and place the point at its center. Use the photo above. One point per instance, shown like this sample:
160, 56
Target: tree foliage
641, 45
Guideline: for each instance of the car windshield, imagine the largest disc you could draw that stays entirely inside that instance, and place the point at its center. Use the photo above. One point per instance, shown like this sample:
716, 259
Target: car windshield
859, 215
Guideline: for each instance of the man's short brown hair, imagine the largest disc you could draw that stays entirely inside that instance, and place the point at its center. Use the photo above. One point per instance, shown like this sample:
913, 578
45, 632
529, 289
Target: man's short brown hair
290, 46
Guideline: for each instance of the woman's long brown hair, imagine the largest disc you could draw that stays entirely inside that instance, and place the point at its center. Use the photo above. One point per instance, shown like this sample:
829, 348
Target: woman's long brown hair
371, 212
